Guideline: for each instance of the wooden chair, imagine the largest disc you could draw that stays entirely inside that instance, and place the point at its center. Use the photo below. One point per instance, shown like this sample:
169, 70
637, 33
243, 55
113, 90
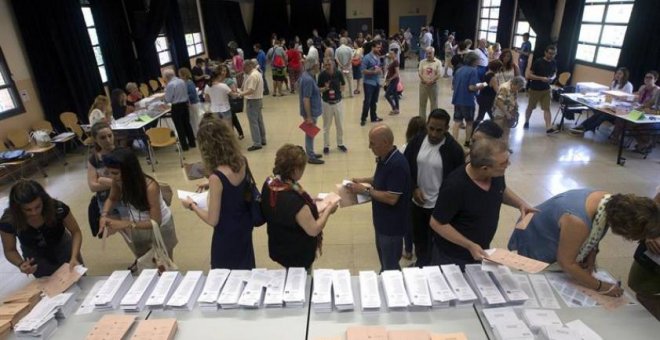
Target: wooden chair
61, 139
162, 137
9, 168
154, 85
563, 78
161, 80
70, 122
144, 89
43, 125
20, 140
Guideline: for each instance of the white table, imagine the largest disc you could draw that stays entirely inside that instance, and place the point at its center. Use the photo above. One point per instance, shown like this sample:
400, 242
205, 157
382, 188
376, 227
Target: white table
439, 320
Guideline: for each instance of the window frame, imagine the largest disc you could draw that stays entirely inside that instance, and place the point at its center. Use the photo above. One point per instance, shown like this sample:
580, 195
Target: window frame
195, 44
530, 30
10, 85
167, 49
487, 31
98, 44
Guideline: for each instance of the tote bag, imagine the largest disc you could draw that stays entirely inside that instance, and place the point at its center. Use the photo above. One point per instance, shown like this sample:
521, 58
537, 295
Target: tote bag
156, 257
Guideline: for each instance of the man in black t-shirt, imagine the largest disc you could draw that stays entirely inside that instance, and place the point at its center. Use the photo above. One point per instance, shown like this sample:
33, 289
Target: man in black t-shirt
331, 83
541, 74
467, 209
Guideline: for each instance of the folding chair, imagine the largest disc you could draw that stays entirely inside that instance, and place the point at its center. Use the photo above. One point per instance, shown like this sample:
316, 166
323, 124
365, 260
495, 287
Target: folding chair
62, 139
162, 137
20, 140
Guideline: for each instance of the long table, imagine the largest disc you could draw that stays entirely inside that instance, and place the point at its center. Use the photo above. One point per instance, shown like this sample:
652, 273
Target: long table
643, 126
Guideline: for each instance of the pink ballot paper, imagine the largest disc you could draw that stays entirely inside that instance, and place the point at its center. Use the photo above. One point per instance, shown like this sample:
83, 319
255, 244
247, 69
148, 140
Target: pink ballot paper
524, 221
310, 129
324, 200
509, 259
62, 279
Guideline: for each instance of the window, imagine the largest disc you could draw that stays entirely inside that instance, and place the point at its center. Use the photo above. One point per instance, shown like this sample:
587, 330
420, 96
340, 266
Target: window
488, 16
163, 50
603, 28
522, 27
10, 102
194, 43
91, 30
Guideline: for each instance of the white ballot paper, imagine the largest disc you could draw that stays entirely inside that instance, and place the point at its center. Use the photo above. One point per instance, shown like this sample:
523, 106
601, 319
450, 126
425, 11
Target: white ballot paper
274, 297
486, 289
186, 293
508, 286
543, 291
211, 290
233, 288
369, 291
558, 333
465, 296
584, 331
513, 331
87, 306
342, 290
396, 297
536, 318
441, 293
113, 290
417, 288
136, 297
526, 286
164, 288
254, 289
322, 290
500, 315
201, 198
294, 289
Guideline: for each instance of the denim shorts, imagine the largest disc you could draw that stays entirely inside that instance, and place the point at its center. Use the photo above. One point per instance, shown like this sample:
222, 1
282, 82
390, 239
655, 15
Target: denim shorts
462, 112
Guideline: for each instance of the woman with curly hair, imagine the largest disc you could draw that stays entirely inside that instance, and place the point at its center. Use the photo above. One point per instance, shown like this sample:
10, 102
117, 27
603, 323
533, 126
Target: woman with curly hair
294, 223
228, 212
568, 228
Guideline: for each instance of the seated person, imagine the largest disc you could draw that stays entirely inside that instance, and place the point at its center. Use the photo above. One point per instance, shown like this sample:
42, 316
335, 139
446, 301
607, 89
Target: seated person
568, 227
134, 94
120, 107
100, 111
48, 232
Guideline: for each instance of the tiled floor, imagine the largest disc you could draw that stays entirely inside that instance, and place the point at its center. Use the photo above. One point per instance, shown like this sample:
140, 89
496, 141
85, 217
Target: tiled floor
541, 167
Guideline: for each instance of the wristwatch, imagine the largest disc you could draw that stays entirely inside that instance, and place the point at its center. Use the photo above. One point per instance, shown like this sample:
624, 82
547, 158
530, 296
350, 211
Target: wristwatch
367, 191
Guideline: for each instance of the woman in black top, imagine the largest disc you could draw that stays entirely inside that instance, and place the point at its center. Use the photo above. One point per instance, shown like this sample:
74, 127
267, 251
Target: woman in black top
295, 225
48, 232
486, 97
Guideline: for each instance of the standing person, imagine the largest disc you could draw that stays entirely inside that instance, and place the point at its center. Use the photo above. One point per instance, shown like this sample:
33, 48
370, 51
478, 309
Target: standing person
524, 52
462, 228
541, 74
98, 179
484, 57
425, 41
449, 54
218, 95
286, 79
193, 99
176, 93
228, 212
47, 231
486, 96
310, 106
237, 63
222, 74
432, 156
407, 35
496, 51
372, 73
343, 56
466, 85
253, 93
509, 69
331, 84
199, 76
506, 104
262, 61
278, 67
429, 74
416, 126
392, 82
404, 51
100, 111
294, 66
312, 52
390, 193
356, 63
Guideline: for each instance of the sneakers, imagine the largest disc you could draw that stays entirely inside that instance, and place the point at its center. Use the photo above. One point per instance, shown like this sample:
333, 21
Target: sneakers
377, 120
526, 126
394, 113
362, 122
551, 131
326, 150
577, 130
342, 148
318, 155
254, 147
315, 161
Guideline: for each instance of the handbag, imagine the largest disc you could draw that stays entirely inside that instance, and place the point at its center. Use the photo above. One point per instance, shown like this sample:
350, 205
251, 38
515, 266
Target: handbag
41, 137
166, 192
236, 104
157, 257
253, 198
94, 216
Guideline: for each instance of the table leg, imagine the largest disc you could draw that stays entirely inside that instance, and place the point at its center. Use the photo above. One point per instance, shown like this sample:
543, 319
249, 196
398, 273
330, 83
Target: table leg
621, 160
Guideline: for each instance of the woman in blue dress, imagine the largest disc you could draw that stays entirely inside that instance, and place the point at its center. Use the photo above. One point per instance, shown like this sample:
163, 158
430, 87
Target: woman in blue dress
228, 212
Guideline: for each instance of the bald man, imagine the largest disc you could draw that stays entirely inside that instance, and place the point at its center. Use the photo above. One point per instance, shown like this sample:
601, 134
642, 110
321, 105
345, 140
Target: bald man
391, 193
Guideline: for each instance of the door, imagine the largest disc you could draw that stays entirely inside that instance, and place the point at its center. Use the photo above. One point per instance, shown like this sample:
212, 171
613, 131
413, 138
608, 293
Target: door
415, 23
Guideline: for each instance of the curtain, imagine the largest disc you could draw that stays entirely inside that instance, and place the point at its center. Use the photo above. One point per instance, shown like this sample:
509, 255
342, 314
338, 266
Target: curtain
60, 53
641, 52
568, 35
382, 16
307, 15
338, 14
223, 23
505, 24
146, 24
540, 14
270, 16
456, 16
176, 36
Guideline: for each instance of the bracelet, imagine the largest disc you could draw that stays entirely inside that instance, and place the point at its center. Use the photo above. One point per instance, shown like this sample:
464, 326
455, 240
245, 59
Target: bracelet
104, 214
600, 284
609, 290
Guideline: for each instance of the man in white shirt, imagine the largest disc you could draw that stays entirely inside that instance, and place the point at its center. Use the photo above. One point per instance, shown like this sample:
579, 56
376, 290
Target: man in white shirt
425, 41
253, 91
482, 52
312, 53
343, 56
429, 73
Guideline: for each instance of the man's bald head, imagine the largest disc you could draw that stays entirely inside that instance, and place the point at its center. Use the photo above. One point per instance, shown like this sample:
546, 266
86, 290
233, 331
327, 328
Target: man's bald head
381, 140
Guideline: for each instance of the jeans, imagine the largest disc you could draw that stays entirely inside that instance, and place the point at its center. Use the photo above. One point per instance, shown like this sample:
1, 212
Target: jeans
421, 233
309, 143
426, 93
389, 250
370, 102
593, 122
333, 112
256, 119
263, 76
485, 107
181, 119
391, 94
237, 124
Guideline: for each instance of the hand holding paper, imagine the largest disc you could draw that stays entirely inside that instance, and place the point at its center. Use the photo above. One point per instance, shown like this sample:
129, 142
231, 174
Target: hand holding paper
516, 261
200, 198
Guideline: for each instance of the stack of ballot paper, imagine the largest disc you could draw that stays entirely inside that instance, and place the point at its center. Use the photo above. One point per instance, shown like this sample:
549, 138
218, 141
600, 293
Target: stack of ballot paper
417, 288
369, 291
44, 330
113, 290
537, 318
486, 289
185, 295
253, 293
408, 334
464, 294
40, 322
441, 294
583, 331
231, 292
200, 198
208, 299
111, 326
512, 331
347, 198
366, 332
5, 328
87, 305
164, 289
558, 333
448, 336
396, 297
342, 290
31, 294
294, 289
275, 289
155, 329
508, 286
136, 297
13, 312
62, 279
68, 302
322, 290
324, 200
500, 315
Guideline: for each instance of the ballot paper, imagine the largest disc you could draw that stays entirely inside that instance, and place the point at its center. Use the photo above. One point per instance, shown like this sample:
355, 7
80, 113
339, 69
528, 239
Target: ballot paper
575, 295
185, 295
396, 297
5, 328
513, 331
200, 198
342, 290
408, 334
347, 198
500, 315
253, 293
274, 297
67, 302
543, 291
536, 318
322, 290
484, 286
87, 306
136, 297
417, 288
233, 288
324, 200
508, 286
45, 331
294, 289
155, 329
449, 336
41, 320
366, 333
164, 289
524, 221
526, 286
212, 287
13, 312
114, 288
441, 293
558, 333
62, 279
584, 332
507, 258
31, 293
465, 296
369, 291
111, 326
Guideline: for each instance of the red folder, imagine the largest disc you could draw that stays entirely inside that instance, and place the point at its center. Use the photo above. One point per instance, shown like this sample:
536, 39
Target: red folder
310, 129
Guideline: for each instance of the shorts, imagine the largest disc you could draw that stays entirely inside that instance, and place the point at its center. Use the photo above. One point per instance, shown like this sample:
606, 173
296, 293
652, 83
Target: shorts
357, 72
539, 96
279, 73
462, 112
448, 62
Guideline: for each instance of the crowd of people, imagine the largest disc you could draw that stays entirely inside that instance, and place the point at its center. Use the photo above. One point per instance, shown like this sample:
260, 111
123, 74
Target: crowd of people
422, 195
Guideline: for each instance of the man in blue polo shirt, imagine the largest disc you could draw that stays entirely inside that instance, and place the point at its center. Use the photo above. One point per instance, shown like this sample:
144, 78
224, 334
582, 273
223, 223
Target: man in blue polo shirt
372, 73
390, 192
310, 106
466, 85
